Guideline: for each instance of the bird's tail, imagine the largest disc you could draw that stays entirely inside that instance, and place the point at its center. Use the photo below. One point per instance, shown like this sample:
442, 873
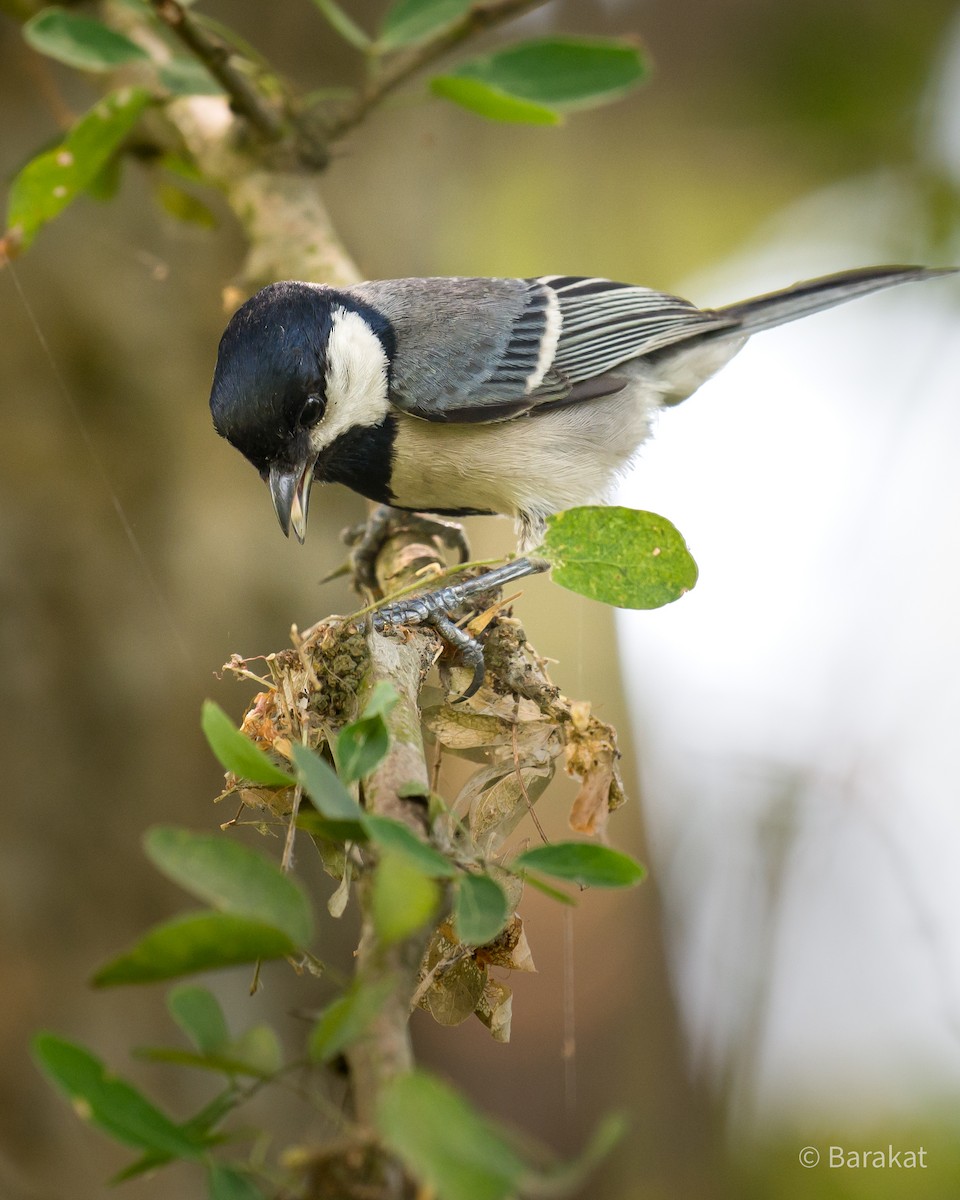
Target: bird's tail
776, 308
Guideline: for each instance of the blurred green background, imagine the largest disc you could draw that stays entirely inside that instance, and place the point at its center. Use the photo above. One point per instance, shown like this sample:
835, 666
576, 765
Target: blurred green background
109, 650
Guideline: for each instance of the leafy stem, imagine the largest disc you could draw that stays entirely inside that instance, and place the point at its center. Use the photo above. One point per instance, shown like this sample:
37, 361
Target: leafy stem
399, 68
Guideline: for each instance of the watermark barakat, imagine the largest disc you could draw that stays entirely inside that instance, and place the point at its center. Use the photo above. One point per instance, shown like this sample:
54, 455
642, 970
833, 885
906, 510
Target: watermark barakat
875, 1158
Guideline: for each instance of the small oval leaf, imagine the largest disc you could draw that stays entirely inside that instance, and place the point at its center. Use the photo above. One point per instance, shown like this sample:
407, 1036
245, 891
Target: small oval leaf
446, 1143
394, 835
80, 42
407, 22
585, 863
111, 1103
237, 752
203, 941
232, 878
324, 787
619, 556
183, 206
347, 1018
361, 746
229, 1183
54, 179
184, 76
348, 29
492, 102
559, 73
480, 910
198, 1013
258, 1049
383, 700
404, 899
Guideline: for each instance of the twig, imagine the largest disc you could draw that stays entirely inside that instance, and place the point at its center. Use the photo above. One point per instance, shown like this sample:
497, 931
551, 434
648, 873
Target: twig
245, 100
486, 14
519, 773
386, 1051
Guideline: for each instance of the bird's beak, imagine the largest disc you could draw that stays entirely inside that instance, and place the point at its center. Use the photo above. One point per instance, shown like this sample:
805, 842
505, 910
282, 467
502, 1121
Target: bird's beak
290, 491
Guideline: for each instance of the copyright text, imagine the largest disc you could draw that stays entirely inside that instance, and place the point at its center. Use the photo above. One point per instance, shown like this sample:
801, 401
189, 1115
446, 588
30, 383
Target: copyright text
883, 1158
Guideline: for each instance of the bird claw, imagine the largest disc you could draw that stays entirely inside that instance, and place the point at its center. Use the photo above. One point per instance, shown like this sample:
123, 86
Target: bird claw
434, 609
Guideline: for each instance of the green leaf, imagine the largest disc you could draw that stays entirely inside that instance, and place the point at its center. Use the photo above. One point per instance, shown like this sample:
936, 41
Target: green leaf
81, 41
228, 1183
185, 76
106, 183
323, 786
258, 1050
348, 29
225, 1064
213, 1112
200, 1124
481, 909
142, 1166
309, 820
492, 102
54, 179
110, 1103
619, 556
568, 1178
183, 206
361, 745
237, 752
403, 900
202, 941
383, 699
446, 1144
554, 893
552, 75
410, 21
585, 863
394, 835
347, 1019
232, 878
198, 1013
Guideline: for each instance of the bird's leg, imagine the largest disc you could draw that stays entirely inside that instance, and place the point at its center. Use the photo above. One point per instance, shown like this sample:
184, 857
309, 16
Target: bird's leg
368, 539
435, 609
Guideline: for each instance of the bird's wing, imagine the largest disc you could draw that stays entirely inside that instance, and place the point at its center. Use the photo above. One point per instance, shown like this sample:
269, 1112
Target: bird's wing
474, 350
605, 324
467, 350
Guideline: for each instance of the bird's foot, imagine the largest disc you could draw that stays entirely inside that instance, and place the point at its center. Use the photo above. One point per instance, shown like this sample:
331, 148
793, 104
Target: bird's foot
368, 539
435, 610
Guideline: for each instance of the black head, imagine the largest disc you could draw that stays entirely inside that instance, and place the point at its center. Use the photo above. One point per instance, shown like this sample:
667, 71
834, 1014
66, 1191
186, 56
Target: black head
287, 382
271, 360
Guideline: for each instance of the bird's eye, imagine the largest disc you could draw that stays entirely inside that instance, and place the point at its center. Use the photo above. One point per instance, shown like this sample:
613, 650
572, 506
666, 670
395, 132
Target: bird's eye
313, 409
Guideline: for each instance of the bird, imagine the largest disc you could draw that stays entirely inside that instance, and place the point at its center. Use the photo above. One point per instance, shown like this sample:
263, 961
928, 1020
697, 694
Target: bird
462, 395
457, 396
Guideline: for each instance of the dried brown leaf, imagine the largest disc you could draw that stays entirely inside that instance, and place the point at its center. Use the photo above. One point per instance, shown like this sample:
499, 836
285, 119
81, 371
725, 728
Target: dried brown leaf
458, 981
592, 757
498, 797
510, 949
495, 1009
461, 729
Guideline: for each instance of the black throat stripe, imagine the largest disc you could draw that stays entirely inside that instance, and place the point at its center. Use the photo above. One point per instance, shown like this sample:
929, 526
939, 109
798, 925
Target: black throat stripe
362, 458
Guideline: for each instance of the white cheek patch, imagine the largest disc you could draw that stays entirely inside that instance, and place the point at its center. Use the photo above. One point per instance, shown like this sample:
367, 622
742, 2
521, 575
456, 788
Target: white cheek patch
356, 379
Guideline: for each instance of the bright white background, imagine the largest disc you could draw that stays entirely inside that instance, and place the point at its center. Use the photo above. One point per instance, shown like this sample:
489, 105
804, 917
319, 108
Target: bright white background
801, 707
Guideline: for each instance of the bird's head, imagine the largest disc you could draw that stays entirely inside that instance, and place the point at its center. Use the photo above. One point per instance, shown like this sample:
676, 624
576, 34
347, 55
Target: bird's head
299, 364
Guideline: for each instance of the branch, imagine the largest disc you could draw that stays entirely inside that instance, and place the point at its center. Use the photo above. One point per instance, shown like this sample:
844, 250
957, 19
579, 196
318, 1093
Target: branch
215, 55
482, 16
385, 1050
